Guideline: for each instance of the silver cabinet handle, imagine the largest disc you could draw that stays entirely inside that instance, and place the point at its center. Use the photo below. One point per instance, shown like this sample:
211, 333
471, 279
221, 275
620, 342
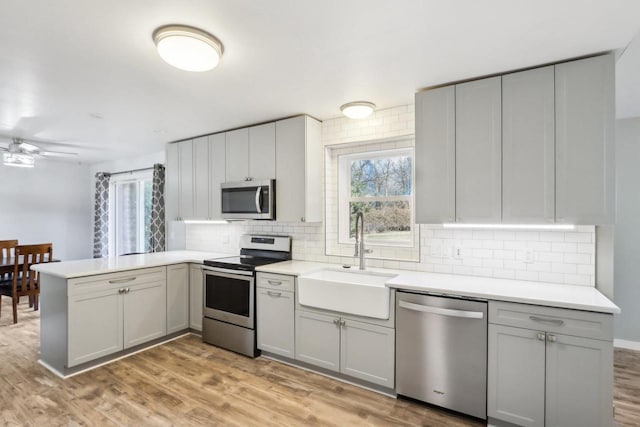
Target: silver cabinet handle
557, 322
541, 336
343, 323
274, 294
551, 338
336, 321
274, 282
128, 279
258, 197
442, 311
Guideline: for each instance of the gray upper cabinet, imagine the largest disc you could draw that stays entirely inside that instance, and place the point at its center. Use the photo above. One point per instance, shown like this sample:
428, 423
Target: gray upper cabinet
478, 168
262, 151
185, 149
435, 155
584, 141
201, 177
217, 173
237, 154
172, 184
528, 144
299, 170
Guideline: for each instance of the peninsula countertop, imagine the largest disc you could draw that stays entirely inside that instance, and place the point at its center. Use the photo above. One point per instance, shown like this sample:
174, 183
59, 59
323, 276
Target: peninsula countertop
539, 293
90, 267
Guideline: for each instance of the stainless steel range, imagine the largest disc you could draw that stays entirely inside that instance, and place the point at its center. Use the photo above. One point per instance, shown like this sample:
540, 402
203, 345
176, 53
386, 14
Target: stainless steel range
229, 292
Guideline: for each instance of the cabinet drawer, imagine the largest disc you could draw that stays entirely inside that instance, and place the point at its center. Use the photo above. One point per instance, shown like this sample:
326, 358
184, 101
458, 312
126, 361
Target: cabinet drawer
276, 281
549, 319
102, 282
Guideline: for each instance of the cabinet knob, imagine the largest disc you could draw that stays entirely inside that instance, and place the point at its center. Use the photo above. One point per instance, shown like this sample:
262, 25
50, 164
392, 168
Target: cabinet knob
541, 336
336, 321
551, 338
342, 323
301, 219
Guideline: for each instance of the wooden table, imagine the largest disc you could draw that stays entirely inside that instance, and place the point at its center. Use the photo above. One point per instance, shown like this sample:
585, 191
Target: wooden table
7, 265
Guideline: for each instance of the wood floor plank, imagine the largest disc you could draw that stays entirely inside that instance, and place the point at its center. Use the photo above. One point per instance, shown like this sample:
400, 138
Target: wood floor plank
188, 383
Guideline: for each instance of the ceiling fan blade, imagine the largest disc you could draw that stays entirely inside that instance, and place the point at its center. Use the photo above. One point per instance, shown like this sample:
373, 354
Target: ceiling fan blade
27, 147
56, 154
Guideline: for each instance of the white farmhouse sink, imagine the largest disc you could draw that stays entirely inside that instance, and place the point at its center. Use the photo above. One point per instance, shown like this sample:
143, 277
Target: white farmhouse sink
348, 291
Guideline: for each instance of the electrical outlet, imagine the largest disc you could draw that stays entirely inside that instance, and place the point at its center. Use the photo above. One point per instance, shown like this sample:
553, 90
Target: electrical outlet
457, 252
529, 255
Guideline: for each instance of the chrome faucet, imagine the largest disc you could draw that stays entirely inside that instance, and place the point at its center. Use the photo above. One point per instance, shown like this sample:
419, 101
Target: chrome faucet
360, 250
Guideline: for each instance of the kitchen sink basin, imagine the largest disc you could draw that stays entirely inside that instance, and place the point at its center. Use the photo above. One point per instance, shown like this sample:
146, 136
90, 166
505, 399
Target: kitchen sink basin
348, 291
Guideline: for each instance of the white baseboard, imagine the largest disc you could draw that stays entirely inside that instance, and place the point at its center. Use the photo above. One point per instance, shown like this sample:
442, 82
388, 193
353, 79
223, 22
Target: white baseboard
629, 345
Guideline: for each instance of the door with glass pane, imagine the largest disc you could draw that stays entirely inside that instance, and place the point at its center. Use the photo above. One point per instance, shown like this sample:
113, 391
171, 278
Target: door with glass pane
131, 220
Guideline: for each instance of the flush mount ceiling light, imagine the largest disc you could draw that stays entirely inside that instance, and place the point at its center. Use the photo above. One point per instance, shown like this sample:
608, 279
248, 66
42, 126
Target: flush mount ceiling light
187, 48
358, 110
21, 160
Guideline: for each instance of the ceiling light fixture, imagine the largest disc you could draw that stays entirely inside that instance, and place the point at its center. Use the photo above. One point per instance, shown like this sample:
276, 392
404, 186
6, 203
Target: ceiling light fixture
513, 226
21, 160
358, 110
187, 48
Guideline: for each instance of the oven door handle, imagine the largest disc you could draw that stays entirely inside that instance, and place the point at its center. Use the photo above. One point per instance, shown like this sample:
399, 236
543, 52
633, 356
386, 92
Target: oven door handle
259, 199
214, 270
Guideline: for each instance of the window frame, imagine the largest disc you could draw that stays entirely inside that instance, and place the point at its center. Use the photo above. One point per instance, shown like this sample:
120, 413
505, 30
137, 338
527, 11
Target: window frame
139, 177
345, 198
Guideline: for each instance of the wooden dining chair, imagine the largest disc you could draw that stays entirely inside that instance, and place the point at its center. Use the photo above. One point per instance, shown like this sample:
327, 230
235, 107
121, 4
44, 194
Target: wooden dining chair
7, 248
25, 282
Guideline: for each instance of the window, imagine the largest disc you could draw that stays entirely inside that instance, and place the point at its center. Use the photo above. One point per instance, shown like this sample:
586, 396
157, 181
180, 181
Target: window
130, 213
380, 185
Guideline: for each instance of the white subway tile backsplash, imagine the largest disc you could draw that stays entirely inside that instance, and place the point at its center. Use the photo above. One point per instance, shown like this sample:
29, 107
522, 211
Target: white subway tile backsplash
557, 256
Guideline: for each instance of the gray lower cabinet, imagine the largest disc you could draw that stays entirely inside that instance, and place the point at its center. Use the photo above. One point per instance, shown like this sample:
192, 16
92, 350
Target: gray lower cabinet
275, 321
358, 349
144, 317
540, 375
177, 298
318, 340
196, 295
95, 326
516, 374
368, 352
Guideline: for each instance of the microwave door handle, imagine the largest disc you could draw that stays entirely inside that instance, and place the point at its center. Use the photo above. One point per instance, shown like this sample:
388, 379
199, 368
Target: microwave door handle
259, 199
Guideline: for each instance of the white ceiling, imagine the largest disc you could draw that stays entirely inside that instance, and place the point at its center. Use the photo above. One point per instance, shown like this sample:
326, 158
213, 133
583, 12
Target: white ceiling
86, 73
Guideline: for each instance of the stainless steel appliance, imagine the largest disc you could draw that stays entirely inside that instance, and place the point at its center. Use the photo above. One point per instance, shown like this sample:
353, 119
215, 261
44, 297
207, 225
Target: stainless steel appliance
249, 199
441, 351
229, 292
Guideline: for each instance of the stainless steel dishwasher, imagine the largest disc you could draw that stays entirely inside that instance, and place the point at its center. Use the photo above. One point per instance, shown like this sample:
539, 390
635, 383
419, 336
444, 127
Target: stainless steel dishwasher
441, 351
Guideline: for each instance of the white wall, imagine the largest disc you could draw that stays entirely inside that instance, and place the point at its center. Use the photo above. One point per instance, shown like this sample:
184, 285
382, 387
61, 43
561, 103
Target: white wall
128, 163
49, 203
560, 257
627, 230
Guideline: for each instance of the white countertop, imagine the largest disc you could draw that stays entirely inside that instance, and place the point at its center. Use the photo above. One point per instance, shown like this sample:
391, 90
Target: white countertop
539, 293
90, 267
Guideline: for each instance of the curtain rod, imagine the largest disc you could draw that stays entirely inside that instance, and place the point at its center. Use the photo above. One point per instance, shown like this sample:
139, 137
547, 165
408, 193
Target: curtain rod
132, 171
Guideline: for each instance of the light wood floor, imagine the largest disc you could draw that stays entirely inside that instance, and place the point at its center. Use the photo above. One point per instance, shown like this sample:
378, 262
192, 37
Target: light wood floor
186, 382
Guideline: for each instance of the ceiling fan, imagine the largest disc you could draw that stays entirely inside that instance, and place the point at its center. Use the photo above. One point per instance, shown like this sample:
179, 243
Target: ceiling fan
23, 154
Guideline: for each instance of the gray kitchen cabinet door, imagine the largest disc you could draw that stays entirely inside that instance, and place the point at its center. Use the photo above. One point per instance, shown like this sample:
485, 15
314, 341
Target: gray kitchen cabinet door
94, 326
217, 173
196, 292
579, 382
318, 340
479, 151
201, 177
262, 151
145, 313
177, 298
275, 322
299, 170
368, 352
172, 184
186, 180
516, 376
237, 154
435, 156
528, 147
584, 141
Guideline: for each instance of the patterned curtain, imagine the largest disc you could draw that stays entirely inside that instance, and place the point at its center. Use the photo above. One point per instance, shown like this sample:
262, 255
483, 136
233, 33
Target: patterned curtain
156, 238
101, 216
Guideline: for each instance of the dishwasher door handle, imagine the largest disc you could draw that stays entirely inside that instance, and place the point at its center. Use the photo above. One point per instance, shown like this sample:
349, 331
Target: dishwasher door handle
442, 311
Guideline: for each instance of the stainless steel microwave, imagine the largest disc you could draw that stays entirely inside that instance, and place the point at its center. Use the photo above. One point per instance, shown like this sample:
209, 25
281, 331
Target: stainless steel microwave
249, 199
